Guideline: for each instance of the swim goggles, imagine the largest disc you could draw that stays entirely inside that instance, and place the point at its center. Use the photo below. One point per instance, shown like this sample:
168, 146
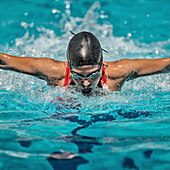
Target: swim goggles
92, 75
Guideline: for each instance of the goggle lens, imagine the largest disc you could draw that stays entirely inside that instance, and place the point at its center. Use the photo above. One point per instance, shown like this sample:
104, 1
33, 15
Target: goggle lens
91, 76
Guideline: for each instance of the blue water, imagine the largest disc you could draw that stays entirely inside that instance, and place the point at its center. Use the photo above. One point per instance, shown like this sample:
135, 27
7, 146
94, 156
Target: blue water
122, 130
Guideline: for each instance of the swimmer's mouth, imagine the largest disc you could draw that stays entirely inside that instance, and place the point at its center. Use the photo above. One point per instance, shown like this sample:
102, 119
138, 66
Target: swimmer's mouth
87, 91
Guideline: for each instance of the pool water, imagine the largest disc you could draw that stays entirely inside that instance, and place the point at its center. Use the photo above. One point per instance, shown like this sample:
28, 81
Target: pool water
57, 128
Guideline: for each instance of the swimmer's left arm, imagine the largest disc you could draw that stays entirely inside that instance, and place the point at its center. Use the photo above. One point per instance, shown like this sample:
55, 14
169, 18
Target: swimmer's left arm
143, 67
127, 69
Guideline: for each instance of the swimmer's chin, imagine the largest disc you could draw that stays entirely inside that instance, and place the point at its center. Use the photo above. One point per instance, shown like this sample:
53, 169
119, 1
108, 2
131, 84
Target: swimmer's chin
87, 92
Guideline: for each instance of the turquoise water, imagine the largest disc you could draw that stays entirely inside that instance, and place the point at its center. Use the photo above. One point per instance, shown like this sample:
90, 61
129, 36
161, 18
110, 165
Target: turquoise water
57, 128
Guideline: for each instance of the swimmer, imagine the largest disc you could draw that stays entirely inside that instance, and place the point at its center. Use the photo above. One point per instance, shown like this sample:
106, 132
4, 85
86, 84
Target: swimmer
85, 67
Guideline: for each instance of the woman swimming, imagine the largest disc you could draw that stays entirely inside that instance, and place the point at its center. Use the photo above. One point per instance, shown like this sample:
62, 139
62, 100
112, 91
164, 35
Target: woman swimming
85, 67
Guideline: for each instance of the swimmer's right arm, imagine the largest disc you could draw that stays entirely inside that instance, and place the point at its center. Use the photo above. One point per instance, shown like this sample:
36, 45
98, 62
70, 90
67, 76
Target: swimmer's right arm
22, 64
30, 65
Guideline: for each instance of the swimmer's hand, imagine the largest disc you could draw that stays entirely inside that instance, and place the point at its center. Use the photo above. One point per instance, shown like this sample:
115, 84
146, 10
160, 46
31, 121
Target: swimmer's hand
2, 64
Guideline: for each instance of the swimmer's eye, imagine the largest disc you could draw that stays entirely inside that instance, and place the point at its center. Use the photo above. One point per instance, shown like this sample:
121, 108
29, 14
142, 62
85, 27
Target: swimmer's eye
94, 75
76, 76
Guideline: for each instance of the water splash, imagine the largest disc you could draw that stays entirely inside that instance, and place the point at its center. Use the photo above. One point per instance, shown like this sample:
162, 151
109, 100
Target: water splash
48, 44
53, 46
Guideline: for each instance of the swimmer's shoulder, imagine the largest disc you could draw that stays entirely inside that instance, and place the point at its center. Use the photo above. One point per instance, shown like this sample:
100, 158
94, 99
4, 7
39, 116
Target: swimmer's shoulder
54, 69
115, 63
116, 69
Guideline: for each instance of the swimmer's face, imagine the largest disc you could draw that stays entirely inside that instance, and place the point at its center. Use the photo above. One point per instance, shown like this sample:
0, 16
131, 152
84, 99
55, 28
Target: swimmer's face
86, 78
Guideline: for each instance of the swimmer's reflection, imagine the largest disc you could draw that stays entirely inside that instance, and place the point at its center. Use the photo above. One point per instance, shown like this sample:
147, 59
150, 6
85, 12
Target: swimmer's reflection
68, 160
65, 161
84, 143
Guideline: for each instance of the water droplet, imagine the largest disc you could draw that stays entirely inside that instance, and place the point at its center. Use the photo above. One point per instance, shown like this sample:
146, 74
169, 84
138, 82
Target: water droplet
23, 54
54, 11
67, 6
129, 35
157, 51
26, 13
33, 50
24, 24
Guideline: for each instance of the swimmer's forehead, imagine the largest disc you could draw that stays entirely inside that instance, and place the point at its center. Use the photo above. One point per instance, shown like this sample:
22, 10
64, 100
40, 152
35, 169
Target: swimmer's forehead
89, 68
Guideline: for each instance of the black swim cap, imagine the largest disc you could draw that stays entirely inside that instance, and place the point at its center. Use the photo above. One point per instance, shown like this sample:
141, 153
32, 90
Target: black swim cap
84, 49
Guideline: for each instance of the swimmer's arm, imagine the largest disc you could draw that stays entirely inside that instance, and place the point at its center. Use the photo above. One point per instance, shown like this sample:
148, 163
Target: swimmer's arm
22, 64
30, 65
144, 67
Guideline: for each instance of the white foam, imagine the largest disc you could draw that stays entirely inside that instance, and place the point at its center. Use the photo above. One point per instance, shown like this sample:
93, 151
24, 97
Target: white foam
53, 46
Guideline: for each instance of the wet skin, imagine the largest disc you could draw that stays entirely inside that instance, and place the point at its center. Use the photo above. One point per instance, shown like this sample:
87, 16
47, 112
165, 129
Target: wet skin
54, 71
86, 84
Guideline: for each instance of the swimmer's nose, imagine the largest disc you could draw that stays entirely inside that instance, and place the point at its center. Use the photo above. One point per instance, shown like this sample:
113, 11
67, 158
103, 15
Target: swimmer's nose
86, 83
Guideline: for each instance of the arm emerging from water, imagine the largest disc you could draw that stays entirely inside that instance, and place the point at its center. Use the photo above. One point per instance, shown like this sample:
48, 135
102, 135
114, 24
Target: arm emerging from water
151, 66
133, 68
41, 67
